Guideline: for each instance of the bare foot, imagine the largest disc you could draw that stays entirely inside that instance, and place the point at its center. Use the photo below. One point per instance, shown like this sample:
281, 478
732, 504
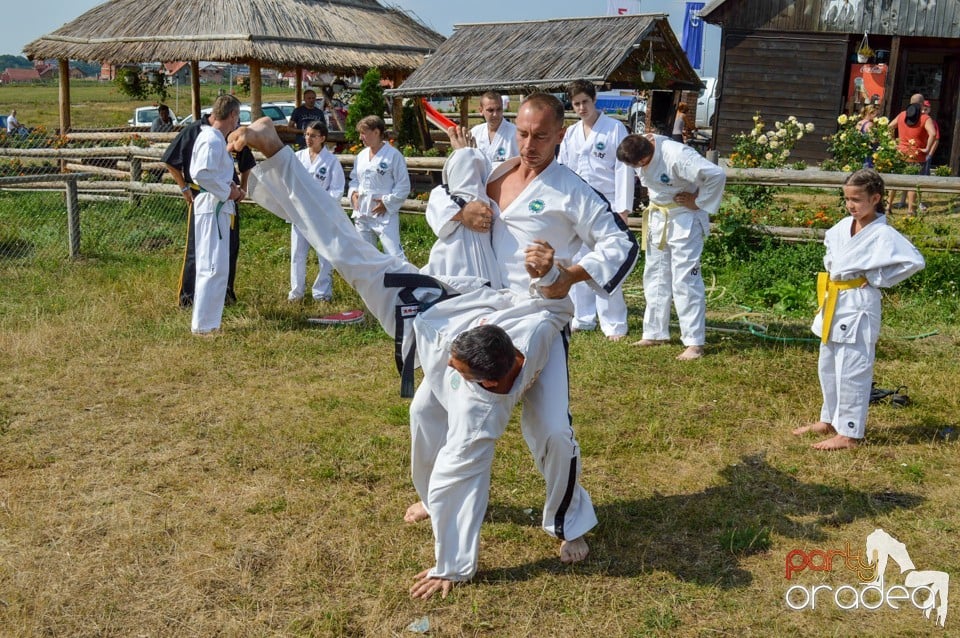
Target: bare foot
819, 427
260, 135
646, 343
838, 442
416, 512
427, 586
616, 337
573, 551
691, 353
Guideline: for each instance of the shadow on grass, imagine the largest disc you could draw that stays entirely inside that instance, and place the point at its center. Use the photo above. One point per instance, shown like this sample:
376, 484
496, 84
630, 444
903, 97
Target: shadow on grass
702, 537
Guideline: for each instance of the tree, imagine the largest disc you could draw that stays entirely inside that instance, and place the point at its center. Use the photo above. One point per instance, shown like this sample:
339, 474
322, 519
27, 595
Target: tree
369, 100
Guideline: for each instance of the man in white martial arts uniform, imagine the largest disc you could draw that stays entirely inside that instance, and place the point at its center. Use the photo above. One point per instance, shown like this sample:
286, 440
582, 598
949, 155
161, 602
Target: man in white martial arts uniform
496, 137
379, 184
454, 343
534, 198
326, 169
211, 167
589, 149
684, 189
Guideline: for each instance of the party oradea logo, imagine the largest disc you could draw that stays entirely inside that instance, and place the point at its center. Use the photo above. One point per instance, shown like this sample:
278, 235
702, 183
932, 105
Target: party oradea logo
924, 590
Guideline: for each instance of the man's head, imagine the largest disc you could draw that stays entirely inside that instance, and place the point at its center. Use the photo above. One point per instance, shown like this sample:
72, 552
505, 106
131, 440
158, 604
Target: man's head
309, 98
225, 113
916, 98
164, 111
583, 97
483, 354
491, 108
926, 107
635, 151
539, 130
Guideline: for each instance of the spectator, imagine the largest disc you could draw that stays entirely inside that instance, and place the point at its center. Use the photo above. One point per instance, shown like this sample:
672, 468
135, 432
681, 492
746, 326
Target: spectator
163, 123
14, 127
307, 113
917, 135
496, 138
936, 139
680, 126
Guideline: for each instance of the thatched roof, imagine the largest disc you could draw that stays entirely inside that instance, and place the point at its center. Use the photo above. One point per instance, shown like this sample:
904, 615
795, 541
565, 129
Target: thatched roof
548, 54
348, 36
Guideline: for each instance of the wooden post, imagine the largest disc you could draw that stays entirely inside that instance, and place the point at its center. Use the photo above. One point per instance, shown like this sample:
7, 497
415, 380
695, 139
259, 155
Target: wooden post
465, 111
135, 169
64, 66
195, 88
298, 78
73, 218
892, 74
256, 94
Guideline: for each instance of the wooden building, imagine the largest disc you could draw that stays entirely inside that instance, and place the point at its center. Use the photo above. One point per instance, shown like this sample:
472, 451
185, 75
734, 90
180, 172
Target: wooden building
799, 57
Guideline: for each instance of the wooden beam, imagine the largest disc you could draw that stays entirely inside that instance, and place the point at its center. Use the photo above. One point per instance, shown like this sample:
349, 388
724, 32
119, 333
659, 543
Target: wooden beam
64, 66
298, 93
256, 93
195, 89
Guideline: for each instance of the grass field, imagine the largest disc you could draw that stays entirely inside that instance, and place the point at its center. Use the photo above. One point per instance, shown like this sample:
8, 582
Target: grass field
156, 484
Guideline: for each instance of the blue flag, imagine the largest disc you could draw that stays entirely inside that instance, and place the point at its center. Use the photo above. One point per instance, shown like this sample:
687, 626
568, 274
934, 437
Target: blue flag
693, 34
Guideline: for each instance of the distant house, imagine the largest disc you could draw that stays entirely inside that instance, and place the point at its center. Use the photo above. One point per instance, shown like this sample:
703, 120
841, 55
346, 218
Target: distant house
177, 72
799, 57
12, 76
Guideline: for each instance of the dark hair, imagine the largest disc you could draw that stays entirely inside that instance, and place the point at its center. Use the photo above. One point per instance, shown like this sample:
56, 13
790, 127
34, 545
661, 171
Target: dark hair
163, 107
320, 127
634, 149
492, 95
870, 181
577, 87
486, 350
545, 102
224, 106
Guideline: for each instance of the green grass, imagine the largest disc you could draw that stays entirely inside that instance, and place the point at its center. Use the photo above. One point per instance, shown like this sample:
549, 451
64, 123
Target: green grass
152, 483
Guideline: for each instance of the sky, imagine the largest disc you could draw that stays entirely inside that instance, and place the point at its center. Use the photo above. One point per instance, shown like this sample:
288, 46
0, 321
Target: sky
27, 20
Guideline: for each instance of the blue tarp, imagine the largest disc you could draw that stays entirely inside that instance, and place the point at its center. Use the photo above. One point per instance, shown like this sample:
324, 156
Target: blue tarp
613, 105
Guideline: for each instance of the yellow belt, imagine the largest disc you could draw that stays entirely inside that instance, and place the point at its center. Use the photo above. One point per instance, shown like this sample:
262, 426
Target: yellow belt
827, 298
645, 226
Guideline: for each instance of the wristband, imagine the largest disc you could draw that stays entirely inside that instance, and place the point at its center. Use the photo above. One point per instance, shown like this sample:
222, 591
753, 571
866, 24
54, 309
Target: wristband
184, 189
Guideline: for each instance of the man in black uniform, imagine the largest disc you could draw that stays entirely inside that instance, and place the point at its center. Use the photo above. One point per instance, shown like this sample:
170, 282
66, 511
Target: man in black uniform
177, 159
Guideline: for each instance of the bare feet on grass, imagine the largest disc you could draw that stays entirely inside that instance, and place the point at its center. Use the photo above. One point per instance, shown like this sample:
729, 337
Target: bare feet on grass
427, 586
820, 427
573, 551
260, 135
838, 442
691, 353
647, 343
416, 512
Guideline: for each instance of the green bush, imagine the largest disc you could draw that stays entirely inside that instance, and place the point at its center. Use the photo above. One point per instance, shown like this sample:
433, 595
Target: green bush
369, 100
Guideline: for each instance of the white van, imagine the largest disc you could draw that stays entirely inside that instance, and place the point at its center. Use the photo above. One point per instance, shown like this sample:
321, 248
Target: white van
707, 104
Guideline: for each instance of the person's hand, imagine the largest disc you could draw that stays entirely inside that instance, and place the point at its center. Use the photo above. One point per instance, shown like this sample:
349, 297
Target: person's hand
237, 193
687, 200
354, 200
427, 586
460, 137
538, 258
188, 195
477, 216
624, 214
379, 208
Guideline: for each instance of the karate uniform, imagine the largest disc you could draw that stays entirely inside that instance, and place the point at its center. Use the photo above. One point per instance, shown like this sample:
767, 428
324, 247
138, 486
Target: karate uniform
502, 147
560, 208
459, 250
883, 257
212, 168
594, 158
328, 172
675, 237
467, 418
380, 177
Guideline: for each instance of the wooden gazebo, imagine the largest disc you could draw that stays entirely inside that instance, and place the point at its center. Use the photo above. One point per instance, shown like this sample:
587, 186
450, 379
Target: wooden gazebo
340, 36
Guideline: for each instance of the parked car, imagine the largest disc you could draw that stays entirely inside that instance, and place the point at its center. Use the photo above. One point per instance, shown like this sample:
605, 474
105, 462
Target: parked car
707, 104
627, 104
270, 109
287, 108
143, 116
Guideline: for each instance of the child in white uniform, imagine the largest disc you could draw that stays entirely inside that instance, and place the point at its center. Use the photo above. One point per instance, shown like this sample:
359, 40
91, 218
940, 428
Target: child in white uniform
863, 255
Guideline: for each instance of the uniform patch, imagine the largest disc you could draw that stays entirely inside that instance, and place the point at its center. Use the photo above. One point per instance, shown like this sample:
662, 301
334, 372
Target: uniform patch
322, 171
383, 165
501, 153
455, 381
851, 425
536, 206
664, 178
409, 310
600, 146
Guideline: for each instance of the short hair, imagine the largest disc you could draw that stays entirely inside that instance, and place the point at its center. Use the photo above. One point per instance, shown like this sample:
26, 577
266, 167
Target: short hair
320, 127
870, 181
371, 123
577, 87
491, 95
224, 106
634, 149
309, 92
163, 107
487, 350
545, 102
